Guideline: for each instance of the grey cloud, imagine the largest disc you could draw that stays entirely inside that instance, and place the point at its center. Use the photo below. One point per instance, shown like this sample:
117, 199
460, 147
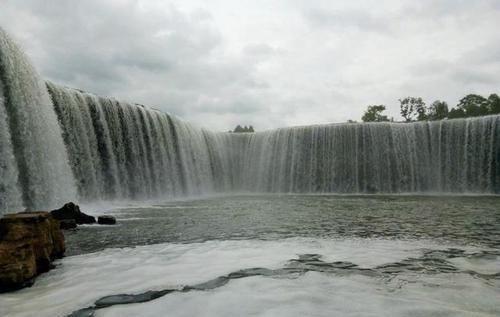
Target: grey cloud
483, 54
227, 63
243, 105
447, 8
476, 66
348, 19
388, 17
431, 67
471, 76
261, 49
162, 57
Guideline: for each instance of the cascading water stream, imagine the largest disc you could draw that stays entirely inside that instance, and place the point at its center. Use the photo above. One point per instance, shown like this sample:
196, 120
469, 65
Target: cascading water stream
123, 151
449, 156
164, 156
10, 195
34, 168
58, 143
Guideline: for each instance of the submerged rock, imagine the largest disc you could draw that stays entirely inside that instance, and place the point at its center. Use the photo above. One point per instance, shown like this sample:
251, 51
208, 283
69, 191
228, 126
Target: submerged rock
106, 220
29, 242
71, 211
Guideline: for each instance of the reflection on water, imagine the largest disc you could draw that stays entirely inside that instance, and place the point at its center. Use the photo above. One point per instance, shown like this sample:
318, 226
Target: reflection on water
457, 219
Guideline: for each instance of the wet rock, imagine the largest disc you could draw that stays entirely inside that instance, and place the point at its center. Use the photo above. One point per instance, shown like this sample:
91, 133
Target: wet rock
72, 211
106, 220
29, 242
123, 299
67, 224
86, 312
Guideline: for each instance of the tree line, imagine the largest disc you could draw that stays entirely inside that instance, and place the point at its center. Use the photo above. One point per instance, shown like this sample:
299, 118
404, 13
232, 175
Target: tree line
415, 109
245, 129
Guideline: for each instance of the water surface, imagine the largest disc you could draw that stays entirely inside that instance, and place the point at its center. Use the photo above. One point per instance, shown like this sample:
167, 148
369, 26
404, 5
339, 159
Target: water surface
279, 255
458, 219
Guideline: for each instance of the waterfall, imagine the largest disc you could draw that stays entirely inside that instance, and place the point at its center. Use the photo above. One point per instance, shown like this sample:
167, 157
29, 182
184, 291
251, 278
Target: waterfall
119, 150
10, 195
448, 156
59, 144
34, 170
124, 151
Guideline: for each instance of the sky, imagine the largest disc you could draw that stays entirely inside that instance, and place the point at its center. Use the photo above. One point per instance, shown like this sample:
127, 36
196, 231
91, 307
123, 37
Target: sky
266, 63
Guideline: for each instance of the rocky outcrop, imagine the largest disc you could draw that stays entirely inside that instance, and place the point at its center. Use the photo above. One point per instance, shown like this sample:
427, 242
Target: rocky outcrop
67, 224
106, 220
70, 211
29, 242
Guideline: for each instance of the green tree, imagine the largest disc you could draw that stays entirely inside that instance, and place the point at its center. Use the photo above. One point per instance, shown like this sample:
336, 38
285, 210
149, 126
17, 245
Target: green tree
411, 107
456, 113
473, 105
374, 114
438, 110
245, 129
494, 104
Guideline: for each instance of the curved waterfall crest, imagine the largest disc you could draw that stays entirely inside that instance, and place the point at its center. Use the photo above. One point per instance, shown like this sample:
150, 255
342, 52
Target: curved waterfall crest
448, 156
35, 171
127, 151
59, 144
138, 152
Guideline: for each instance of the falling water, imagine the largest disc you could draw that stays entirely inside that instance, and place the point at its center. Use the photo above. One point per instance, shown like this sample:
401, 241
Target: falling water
33, 163
59, 143
449, 156
136, 152
126, 151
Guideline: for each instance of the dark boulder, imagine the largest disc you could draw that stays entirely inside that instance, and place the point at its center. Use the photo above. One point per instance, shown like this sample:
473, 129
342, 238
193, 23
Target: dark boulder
67, 224
72, 211
106, 220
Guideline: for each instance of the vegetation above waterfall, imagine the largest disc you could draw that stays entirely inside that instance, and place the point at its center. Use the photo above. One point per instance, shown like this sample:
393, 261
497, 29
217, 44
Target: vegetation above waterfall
245, 129
415, 109
374, 114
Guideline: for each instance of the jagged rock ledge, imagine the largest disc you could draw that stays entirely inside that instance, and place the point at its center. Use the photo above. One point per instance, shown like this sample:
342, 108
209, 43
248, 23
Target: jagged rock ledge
29, 242
70, 216
70, 213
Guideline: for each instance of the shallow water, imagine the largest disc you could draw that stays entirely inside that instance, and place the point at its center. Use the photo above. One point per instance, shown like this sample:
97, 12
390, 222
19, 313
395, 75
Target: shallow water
279, 255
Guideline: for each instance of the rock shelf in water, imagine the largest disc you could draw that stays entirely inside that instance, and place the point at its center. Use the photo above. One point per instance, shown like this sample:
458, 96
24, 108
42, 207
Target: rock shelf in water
71, 212
29, 242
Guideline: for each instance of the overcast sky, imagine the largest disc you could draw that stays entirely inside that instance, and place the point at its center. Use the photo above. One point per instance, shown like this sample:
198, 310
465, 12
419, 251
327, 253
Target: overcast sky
266, 63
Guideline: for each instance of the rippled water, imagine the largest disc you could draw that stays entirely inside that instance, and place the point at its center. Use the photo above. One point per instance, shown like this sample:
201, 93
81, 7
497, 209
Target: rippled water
459, 219
279, 255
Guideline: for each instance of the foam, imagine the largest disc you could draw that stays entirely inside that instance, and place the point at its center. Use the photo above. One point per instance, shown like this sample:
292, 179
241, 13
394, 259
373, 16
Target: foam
80, 280
316, 294
479, 265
